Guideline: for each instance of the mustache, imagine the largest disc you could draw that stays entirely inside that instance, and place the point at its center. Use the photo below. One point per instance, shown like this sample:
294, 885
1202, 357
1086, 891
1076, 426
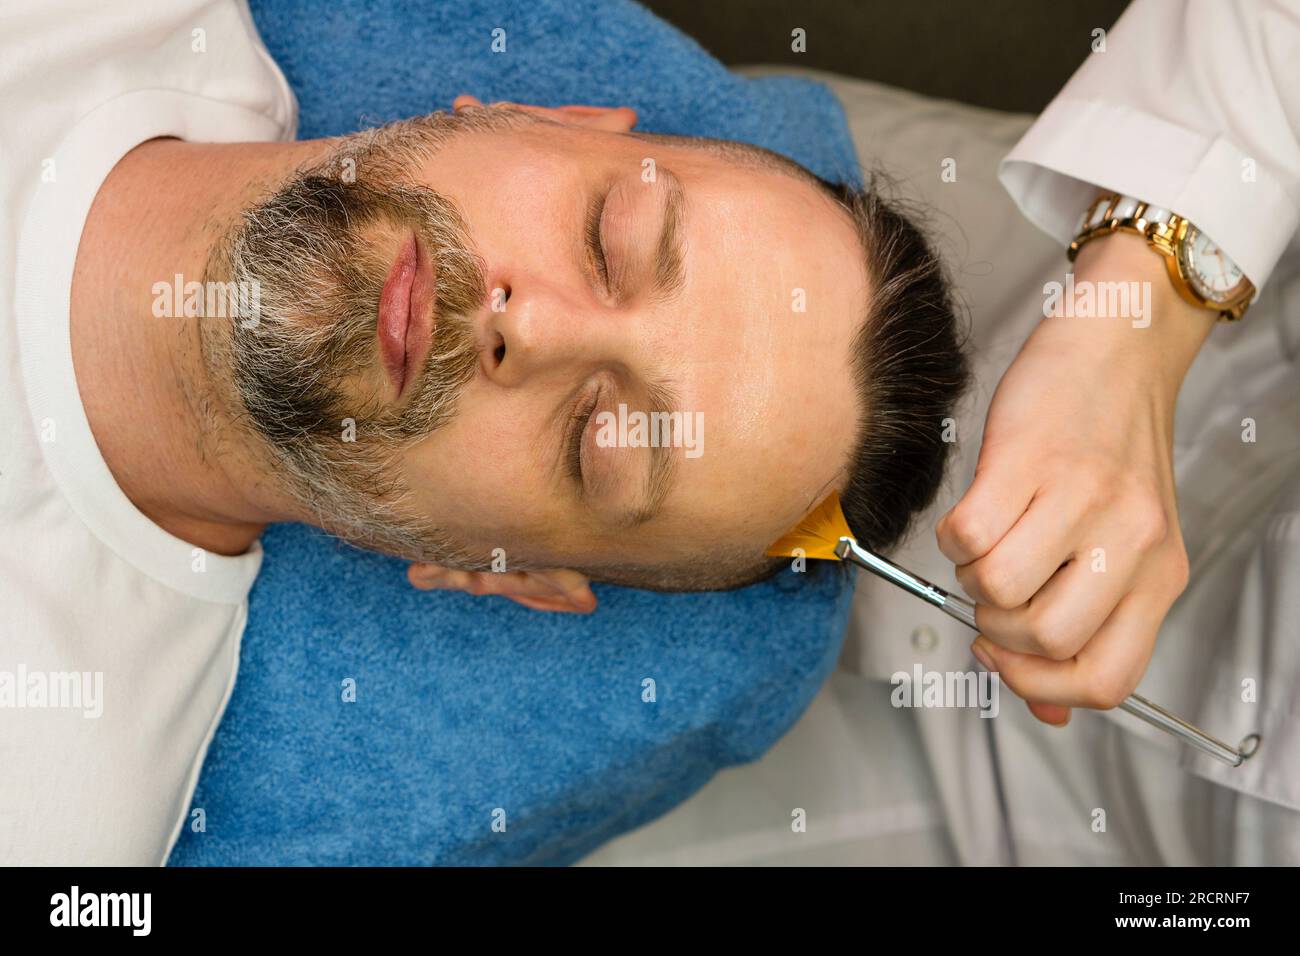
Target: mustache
310, 251
460, 291
300, 380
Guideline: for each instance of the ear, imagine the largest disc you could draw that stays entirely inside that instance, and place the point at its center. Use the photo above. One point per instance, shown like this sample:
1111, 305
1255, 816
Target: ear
611, 119
547, 590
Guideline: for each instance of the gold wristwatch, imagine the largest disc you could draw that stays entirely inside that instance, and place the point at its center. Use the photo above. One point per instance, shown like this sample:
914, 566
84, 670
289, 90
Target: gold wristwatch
1200, 271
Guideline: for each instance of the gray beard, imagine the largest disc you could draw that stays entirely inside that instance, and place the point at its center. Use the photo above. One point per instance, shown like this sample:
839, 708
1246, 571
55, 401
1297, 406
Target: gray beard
319, 285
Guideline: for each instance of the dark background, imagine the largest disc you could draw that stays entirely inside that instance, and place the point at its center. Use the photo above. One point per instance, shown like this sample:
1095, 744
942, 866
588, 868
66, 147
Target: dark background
1004, 54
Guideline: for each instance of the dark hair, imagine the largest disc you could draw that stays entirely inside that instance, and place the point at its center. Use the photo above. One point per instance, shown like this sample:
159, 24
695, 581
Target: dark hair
910, 367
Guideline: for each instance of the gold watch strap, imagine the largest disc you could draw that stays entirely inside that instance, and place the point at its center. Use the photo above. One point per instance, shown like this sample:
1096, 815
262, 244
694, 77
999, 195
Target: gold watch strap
1163, 230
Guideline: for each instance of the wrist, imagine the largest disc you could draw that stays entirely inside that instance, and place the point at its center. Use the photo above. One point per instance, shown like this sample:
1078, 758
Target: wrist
1162, 333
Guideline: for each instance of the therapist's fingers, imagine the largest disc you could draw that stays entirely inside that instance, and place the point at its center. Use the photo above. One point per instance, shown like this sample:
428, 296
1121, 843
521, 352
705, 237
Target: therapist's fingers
983, 516
1099, 677
1053, 714
611, 119
551, 589
1062, 616
1029, 554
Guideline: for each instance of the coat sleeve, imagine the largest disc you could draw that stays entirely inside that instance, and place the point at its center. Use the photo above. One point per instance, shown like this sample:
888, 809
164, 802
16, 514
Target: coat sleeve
1193, 105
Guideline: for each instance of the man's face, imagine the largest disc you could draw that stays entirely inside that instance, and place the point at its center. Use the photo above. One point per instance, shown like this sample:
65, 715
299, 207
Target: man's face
617, 271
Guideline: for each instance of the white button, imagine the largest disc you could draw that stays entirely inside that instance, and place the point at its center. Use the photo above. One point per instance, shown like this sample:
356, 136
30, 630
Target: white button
924, 638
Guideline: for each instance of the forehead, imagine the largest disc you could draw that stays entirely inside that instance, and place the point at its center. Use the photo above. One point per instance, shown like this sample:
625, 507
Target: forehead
758, 341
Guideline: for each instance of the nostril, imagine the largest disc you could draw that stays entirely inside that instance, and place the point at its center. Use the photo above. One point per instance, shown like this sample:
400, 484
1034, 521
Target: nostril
499, 353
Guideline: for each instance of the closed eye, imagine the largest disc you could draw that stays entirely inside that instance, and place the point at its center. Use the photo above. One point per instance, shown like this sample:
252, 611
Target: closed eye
595, 242
578, 421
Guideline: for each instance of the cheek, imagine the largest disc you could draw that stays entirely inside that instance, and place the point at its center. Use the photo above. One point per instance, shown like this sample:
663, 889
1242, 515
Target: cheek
495, 195
476, 476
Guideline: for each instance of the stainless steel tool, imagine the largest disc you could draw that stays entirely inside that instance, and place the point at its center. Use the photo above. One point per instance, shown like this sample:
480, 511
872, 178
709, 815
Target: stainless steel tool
963, 610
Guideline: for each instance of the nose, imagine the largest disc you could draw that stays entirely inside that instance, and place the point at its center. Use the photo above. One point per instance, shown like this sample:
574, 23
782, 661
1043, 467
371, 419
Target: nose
535, 326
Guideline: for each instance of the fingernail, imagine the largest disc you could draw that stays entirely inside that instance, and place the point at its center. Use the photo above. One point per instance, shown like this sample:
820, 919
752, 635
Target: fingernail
982, 656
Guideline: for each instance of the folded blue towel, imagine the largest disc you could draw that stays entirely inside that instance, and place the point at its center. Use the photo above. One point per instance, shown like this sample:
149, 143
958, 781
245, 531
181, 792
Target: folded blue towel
482, 732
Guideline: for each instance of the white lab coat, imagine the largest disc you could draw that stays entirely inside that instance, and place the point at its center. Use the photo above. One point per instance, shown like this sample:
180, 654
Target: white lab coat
1185, 91
1193, 105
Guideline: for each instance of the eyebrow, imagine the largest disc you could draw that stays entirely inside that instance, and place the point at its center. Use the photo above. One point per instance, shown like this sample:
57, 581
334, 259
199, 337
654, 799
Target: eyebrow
661, 396
661, 399
669, 267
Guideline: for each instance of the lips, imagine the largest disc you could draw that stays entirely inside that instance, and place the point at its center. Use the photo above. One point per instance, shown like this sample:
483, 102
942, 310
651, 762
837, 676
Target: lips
405, 321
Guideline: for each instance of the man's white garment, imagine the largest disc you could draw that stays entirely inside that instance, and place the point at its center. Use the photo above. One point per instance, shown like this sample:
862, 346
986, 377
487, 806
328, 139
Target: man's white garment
1194, 106
118, 642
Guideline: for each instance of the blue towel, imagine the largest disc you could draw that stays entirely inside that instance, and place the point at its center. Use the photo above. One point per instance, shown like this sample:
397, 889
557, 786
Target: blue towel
480, 732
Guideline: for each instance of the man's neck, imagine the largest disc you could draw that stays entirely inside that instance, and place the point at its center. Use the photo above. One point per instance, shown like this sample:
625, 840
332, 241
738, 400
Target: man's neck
163, 428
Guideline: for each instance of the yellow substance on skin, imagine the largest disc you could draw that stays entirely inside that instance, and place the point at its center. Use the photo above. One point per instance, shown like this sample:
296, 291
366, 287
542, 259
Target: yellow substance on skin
817, 534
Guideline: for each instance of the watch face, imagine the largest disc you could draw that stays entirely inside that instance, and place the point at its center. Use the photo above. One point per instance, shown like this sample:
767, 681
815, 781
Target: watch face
1207, 267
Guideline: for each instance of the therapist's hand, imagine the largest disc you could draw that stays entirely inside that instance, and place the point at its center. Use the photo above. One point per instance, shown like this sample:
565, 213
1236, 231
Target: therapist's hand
1068, 537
